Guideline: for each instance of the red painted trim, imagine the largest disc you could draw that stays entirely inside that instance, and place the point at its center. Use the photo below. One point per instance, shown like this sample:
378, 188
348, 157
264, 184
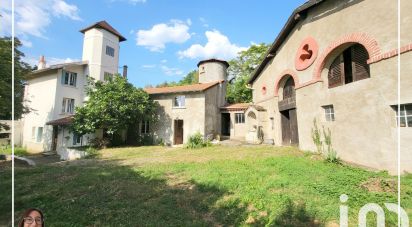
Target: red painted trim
390, 54
283, 74
370, 44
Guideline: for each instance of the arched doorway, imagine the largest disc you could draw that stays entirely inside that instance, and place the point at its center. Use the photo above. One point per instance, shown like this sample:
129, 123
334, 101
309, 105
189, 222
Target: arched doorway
287, 108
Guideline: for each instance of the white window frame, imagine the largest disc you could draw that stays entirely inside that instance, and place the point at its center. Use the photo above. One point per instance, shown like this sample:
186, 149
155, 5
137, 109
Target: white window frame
329, 112
145, 127
405, 114
109, 51
33, 133
179, 101
39, 135
68, 106
239, 118
69, 78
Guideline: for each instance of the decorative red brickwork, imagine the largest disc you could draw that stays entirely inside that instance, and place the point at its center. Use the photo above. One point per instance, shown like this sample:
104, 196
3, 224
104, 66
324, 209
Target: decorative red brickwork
306, 54
390, 54
285, 73
370, 44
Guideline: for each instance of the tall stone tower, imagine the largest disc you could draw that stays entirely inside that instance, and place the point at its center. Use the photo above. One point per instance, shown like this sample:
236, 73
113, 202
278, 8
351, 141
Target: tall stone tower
214, 70
101, 49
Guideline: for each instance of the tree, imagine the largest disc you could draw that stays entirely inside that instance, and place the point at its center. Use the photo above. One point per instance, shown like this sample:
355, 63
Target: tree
113, 105
21, 69
191, 78
240, 70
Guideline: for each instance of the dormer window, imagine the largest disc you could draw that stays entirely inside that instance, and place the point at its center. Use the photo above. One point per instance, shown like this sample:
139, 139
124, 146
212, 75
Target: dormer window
69, 78
110, 51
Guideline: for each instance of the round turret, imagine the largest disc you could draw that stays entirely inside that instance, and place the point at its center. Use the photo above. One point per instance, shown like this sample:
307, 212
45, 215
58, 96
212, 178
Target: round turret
212, 70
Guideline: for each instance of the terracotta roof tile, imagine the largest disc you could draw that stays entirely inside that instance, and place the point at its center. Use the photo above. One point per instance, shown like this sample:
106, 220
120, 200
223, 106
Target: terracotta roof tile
184, 88
103, 24
236, 106
61, 121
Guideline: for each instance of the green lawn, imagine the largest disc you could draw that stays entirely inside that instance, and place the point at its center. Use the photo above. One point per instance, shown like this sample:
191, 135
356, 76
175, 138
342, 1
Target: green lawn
156, 186
19, 151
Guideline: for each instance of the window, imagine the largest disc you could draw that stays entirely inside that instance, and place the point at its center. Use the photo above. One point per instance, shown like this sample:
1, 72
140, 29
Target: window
69, 78
179, 101
239, 118
39, 134
404, 117
329, 113
77, 139
108, 76
144, 127
68, 105
33, 133
110, 51
351, 65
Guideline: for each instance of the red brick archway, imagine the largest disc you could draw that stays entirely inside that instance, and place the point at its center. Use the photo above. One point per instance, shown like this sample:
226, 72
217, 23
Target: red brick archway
370, 44
285, 73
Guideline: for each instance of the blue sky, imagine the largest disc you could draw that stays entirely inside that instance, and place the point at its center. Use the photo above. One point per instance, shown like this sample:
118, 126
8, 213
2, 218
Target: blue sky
165, 39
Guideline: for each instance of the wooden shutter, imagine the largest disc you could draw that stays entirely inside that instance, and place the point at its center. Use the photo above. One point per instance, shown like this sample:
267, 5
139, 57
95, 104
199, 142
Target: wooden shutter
336, 71
360, 67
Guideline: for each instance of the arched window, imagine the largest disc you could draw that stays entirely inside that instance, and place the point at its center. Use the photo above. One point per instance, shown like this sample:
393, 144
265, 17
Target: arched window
351, 65
289, 88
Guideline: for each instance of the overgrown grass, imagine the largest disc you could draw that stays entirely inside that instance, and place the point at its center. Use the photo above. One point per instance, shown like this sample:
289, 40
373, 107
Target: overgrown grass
156, 186
19, 151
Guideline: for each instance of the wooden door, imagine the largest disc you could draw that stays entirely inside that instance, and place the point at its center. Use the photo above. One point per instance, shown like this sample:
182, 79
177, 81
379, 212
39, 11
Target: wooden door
285, 123
226, 124
54, 138
178, 132
294, 136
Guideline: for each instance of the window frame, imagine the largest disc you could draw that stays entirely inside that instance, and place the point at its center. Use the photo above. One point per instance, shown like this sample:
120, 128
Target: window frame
403, 115
68, 106
110, 51
329, 111
77, 139
39, 134
69, 79
33, 133
179, 101
239, 118
144, 127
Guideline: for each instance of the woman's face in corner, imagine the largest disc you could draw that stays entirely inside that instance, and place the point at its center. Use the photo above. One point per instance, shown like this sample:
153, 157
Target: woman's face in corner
36, 217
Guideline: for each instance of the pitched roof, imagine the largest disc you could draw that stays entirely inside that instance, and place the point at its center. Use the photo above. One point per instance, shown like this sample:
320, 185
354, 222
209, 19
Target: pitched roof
61, 121
213, 60
235, 106
297, 15
184, 88
103, 24
57, 66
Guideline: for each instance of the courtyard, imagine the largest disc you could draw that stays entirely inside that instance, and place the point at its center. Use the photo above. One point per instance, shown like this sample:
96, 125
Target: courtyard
240, 185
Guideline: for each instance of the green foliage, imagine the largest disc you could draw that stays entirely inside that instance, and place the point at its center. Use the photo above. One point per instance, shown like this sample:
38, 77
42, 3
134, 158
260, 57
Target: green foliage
240, 70
145, 140
99, 143
92, 152
329, 153
316, 137
113, 105
197, 141
19, 151
191, 78
21, 69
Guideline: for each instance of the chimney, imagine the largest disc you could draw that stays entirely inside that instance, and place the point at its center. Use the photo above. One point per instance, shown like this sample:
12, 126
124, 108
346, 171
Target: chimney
42, 63
125, 71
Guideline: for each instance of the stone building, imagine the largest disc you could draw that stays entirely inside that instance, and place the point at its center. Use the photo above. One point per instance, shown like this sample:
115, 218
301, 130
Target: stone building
336, 62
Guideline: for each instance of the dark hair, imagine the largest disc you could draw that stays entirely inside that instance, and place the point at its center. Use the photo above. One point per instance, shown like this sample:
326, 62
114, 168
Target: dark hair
27, 212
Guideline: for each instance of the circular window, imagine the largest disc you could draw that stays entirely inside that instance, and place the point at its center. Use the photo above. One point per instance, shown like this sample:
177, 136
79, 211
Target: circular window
306, 54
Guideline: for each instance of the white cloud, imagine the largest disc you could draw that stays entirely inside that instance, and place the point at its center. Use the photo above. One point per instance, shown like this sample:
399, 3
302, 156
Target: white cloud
32, 17
49, 60
171, 71
61, 8
217, 46
204, 22
159, 35
148, 66
163, 61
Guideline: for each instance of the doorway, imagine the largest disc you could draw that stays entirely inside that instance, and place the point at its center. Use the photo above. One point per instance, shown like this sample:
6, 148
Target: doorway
225, 124
287, 108
54, 138
178, 132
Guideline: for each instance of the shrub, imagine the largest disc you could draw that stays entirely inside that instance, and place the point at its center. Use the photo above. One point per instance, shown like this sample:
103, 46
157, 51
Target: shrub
197, 141
92, 152
330, 154
316, 137
145, 140
99, 143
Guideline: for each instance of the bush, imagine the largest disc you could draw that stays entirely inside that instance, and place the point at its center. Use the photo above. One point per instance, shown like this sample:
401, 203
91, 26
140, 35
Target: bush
197, 141
18, 151
92, 152
145, 140
99, 143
